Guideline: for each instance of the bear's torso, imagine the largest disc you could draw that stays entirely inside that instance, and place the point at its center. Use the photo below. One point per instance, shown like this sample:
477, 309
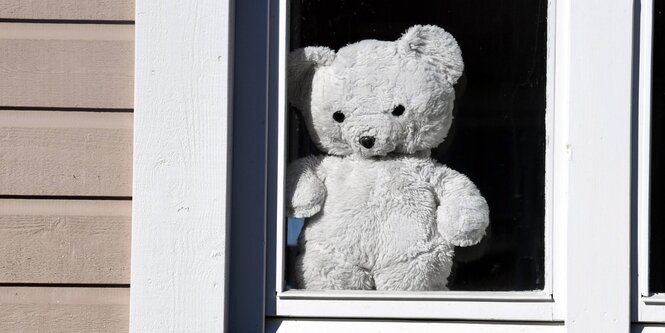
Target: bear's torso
377, 211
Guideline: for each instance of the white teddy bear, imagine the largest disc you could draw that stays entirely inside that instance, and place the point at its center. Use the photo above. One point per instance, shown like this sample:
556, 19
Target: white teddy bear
383, 215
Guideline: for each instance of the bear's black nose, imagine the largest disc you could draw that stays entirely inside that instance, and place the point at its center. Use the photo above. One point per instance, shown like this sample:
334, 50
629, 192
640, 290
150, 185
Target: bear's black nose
367, 141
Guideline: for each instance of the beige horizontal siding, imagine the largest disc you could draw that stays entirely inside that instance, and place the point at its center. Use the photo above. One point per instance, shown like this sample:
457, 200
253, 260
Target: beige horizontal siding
114, 10
59, 136
59, 309
65, 241
66, 65
65, 153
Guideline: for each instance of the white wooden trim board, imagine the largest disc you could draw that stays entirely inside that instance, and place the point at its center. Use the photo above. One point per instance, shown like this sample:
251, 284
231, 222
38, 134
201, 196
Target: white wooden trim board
595, 84
181, 165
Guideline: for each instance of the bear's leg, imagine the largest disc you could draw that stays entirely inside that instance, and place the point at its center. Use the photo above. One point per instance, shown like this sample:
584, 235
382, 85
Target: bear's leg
427, 271
323, 270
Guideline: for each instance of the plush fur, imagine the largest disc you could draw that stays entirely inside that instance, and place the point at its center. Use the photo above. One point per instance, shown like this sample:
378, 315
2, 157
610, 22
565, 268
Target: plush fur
382, 214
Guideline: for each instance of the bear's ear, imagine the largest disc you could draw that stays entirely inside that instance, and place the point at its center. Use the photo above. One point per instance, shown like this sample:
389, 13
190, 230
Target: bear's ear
301, 66
436, 44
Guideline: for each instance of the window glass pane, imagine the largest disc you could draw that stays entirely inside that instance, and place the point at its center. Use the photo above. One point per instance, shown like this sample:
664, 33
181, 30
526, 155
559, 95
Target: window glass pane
497, 137
657, 241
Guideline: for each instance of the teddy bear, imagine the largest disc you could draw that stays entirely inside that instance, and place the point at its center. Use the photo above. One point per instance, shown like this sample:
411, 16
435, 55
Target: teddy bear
381, 213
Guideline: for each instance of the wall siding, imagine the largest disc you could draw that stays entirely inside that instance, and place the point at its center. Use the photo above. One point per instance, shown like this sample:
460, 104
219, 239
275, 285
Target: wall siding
64, 241
66, 96
66, 65
65, 153
113, 10
64, 309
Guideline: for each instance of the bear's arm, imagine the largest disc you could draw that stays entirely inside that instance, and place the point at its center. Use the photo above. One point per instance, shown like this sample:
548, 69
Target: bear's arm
305, 191
463, 214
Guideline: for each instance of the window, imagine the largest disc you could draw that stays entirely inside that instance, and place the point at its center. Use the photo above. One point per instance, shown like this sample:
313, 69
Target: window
587, 187
652, 157
657, 234
503, 116
498, 135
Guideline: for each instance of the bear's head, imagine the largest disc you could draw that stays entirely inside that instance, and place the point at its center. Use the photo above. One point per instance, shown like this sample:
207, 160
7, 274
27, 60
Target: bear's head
373, 98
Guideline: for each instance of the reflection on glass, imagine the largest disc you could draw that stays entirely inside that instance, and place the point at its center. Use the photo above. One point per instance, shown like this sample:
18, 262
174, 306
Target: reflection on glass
498, 136
657, 241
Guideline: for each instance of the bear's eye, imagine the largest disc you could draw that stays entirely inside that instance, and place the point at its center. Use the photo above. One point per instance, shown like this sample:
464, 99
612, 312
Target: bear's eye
398, 110
338, 116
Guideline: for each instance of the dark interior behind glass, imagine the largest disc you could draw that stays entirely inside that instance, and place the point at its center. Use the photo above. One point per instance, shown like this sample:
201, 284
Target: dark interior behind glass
657, 242
498, 136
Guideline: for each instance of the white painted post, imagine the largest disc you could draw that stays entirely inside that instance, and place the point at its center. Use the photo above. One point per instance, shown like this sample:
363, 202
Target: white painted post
181, 166
597, 87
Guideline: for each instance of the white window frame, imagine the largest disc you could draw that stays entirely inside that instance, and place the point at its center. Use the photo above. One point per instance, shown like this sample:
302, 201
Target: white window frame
545, 305
650, 306
181, 190
523, 305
